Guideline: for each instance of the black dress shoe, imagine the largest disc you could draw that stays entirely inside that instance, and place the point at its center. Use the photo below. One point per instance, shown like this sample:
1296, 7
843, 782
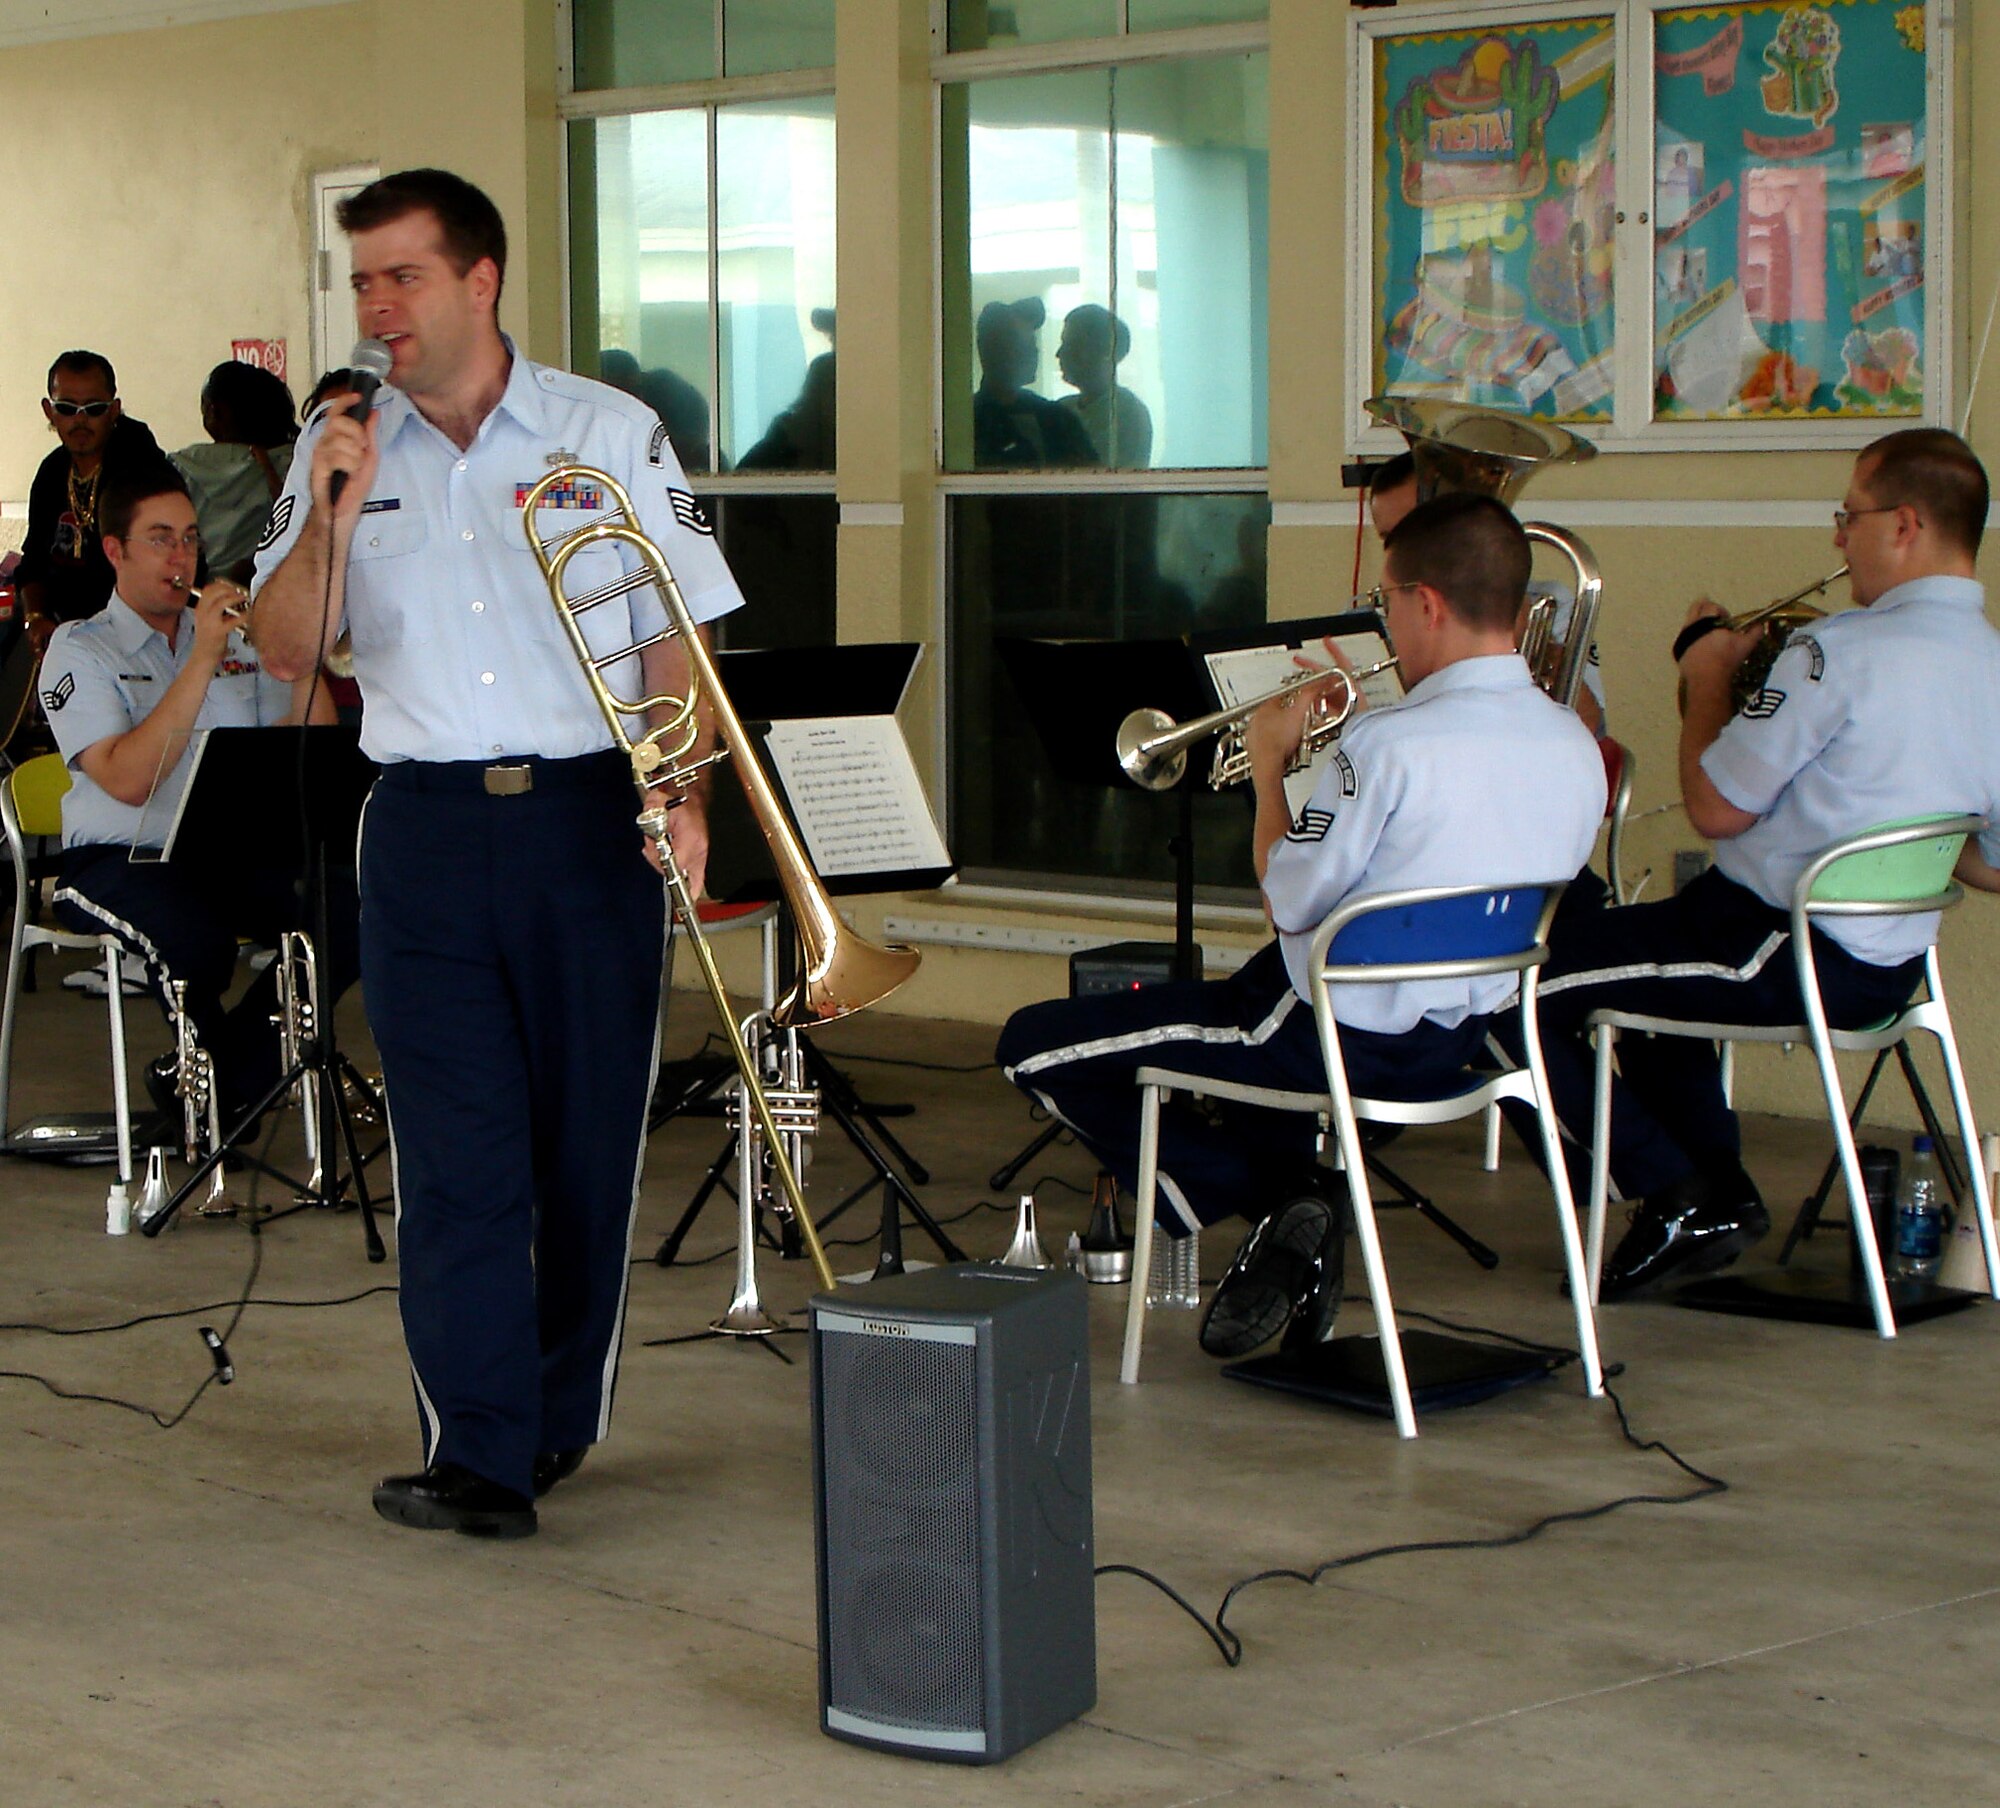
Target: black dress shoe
1312, 1317
1696, 1226
1279, 1268
448, 1497
554, 1466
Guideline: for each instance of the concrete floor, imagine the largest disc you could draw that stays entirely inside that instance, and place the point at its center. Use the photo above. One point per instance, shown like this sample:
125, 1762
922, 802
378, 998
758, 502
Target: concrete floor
213, 1616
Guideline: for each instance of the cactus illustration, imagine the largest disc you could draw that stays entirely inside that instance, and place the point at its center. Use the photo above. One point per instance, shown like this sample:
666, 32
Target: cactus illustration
1527, 88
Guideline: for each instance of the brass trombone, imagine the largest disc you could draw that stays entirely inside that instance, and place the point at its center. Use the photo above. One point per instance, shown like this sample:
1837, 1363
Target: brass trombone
839, 971
1153, 748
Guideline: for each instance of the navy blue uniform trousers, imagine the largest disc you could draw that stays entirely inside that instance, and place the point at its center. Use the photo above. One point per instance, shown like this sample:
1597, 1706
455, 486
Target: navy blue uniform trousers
510, 958
183, 922
1079, 1055
1713, 953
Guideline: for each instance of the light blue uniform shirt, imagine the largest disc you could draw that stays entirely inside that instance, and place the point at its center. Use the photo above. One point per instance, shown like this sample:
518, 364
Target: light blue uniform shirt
1876, 716
1476, 777
106, 675
458, 650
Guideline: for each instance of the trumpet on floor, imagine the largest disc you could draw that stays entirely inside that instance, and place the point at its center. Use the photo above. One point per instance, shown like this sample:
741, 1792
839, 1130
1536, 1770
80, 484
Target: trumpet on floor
1153, 748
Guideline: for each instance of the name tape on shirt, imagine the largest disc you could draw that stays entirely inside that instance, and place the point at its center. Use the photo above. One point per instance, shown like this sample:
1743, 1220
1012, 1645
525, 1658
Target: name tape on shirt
61, 693
571, 493
688, 513
281, 518
381, 505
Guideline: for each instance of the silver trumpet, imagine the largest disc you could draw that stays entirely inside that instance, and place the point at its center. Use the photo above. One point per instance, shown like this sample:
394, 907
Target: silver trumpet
297, 1019
1153, 748
793, 1106
201, 1104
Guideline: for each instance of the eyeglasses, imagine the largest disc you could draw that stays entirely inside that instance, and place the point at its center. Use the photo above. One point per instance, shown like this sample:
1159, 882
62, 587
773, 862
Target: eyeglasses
1378, 598
1843, 519
89, 410
166, 543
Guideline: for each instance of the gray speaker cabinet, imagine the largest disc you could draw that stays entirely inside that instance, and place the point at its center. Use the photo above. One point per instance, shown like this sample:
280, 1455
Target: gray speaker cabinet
951, 1481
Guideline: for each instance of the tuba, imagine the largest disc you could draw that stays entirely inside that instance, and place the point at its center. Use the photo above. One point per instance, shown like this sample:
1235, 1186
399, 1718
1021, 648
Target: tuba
839, 972
1490, 452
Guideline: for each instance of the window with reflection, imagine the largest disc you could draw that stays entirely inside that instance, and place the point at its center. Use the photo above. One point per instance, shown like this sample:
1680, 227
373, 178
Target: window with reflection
654, 43
996, 24
1034, 787
1105, 258
720, 319
1103, 284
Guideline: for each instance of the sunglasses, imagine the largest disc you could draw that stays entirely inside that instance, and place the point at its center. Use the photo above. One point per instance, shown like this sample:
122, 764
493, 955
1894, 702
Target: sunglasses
89, 410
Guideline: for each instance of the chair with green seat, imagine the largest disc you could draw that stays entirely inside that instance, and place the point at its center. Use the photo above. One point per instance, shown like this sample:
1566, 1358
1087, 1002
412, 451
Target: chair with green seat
1900, 869
31, 797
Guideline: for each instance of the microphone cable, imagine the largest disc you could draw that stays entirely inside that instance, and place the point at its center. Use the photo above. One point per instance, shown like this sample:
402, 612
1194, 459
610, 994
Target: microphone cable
1229, 1643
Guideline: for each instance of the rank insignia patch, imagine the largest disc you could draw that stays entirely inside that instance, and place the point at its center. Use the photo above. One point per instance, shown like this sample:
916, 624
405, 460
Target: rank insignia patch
281, 518
65, 689
688, 513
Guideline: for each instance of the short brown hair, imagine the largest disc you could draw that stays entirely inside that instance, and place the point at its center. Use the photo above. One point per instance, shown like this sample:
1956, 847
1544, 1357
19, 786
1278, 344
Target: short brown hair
1933, 471
469, 225
1471, 551
132, 487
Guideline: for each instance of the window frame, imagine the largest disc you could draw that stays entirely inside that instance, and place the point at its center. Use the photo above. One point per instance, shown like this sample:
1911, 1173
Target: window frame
710, 95
1181, 44
1632, 427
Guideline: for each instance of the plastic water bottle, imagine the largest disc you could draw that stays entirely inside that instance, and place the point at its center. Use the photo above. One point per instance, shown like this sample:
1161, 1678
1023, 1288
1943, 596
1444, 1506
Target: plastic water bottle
1920, 1216
1187, 1271
1160, 1270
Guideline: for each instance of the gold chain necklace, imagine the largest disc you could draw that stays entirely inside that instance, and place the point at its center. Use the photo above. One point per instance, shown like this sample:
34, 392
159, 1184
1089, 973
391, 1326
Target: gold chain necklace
83, 498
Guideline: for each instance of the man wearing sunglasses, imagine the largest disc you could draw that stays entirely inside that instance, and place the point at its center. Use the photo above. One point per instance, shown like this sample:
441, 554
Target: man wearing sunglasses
64, 575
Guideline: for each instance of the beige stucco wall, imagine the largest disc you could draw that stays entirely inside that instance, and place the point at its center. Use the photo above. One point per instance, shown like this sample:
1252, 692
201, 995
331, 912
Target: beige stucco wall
158, 205
159, 191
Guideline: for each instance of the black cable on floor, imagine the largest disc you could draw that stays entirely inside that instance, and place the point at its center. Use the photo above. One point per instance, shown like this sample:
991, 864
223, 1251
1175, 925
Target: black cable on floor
1227, 1641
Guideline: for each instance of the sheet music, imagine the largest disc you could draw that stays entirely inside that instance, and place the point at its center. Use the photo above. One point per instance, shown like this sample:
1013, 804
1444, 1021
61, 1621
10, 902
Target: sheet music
1247, 673
855, 794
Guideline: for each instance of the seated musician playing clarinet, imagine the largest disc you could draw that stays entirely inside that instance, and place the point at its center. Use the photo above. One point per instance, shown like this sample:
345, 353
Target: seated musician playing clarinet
1879, 715
1413, 796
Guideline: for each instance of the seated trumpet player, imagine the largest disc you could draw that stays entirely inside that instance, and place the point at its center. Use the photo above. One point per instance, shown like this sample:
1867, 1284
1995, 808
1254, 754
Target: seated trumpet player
123, 689
1879, 715
1413, 797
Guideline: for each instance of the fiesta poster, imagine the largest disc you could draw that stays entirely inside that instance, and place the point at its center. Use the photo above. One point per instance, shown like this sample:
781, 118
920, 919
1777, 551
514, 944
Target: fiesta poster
1789, 208
1495, 210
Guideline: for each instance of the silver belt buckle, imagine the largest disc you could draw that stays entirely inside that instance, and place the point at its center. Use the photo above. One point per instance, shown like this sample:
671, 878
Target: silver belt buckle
509, 781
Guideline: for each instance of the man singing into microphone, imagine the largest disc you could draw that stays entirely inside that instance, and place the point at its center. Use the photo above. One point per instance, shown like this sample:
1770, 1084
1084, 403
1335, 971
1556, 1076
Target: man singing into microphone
124, 689
512, 928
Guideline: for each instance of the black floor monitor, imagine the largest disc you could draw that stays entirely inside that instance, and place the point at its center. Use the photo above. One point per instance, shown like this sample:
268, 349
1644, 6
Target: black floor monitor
1807, 1298
1443, 1371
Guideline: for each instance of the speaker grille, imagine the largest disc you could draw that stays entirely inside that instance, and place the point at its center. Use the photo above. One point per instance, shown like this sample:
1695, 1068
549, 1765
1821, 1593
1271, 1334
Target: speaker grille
902, 1530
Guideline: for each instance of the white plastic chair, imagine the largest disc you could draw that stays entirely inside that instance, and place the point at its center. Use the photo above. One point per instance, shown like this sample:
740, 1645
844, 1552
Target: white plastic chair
1902, 869
1391, 938
31, 805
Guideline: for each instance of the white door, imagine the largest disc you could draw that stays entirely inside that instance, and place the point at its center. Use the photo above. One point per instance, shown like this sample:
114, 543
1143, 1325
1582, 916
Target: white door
332, 299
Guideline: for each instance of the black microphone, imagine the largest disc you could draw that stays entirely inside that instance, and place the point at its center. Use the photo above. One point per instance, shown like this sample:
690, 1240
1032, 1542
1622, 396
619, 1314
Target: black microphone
370, 364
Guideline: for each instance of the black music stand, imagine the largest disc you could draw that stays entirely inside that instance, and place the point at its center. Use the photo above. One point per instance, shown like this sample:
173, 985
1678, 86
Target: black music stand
303, 788
793, 686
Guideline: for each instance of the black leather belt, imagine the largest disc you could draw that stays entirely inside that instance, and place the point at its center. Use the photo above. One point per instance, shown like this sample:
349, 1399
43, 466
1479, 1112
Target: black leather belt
515, 777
